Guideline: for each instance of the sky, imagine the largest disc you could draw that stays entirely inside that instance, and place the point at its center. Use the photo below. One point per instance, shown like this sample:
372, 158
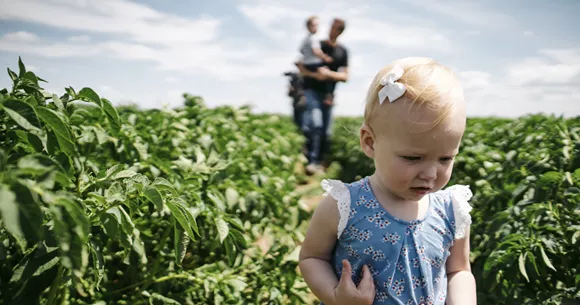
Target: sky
514, 57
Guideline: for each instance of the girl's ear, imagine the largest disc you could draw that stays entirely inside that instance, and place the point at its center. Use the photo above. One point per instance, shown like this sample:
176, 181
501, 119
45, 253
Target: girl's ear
367, 140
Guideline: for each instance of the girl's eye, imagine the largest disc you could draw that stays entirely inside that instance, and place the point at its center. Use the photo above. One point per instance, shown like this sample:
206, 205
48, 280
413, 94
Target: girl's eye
446, 159
408, 158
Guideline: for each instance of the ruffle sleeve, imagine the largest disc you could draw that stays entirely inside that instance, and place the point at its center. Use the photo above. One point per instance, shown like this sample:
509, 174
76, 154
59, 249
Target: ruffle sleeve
339, 191
460, 196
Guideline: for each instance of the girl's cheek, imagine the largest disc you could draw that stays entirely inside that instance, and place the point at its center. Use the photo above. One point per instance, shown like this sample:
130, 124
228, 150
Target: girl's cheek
445, 173
404, 172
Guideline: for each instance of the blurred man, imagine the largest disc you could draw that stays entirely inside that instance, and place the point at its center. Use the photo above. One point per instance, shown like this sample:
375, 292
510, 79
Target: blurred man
319, 90
295, 91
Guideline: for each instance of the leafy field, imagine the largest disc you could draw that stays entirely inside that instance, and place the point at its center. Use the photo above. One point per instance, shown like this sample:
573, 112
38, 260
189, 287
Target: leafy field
105, 205
119, 206
525, 176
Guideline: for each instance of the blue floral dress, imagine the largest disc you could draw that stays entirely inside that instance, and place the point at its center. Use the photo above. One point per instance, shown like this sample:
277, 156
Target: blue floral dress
406, 258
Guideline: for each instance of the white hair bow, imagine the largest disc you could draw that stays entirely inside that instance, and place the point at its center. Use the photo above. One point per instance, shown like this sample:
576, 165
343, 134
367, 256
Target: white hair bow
391, 89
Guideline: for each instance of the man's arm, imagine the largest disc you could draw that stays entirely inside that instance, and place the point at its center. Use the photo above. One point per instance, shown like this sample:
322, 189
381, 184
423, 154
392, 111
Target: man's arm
305, 72
342, 74
339, 76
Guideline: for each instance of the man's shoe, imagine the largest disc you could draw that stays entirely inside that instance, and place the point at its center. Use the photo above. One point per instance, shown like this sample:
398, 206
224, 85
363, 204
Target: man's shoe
312, 169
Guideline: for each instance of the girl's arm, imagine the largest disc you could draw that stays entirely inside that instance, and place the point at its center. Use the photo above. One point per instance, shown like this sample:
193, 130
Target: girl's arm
317, 250
461, 282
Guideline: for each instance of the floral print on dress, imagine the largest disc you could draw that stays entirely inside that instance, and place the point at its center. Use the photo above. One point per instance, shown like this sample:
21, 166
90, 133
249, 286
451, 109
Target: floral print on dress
377, 255
428, 300
442, 296
436, 262
391, 238
351, 252
406, 258
381, 295
366, 185
352, 213
378, 219
419, 281
361, 200
405, 251
441, 231
415, 263
440, 212
415, 228
372, 204
398, 287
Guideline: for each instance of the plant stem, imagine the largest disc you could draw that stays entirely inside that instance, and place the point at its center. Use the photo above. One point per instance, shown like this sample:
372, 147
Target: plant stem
103, 211
55, 287
155, 281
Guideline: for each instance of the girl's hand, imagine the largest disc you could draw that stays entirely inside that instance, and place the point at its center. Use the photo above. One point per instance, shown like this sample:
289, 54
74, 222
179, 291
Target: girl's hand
347, 293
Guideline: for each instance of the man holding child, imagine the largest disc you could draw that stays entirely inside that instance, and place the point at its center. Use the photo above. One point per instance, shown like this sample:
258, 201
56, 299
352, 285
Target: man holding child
320, 78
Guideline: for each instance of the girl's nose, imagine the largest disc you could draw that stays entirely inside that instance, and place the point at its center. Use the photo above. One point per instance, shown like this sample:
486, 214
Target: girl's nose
428, 173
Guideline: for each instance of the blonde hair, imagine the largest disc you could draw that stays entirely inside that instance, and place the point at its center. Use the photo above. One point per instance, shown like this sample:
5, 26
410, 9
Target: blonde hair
427, 83
310, 20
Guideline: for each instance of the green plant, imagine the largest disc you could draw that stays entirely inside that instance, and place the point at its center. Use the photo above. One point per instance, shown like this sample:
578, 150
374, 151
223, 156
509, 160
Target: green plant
105, 205
526, 219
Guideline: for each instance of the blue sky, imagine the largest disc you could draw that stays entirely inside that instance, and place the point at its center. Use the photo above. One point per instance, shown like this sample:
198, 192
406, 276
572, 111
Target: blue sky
515, 57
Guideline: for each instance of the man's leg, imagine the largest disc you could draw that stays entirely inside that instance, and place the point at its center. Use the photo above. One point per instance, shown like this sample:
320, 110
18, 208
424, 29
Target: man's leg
326, 130
313, 123
305, 125
297, 115
299, 107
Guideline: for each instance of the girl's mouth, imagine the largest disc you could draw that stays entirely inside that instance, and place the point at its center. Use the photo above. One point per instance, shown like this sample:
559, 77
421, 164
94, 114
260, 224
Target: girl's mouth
421, 190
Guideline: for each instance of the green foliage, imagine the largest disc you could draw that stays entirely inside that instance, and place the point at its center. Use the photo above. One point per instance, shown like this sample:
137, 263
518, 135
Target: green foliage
116, 205
525, 176
105, 205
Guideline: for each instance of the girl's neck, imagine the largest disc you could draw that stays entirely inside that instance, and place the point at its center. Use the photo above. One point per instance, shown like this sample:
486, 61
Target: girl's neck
395, 205
384, 194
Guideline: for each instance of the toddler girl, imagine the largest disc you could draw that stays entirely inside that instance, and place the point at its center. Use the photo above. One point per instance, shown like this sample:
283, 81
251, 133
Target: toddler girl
312, 56
398, 237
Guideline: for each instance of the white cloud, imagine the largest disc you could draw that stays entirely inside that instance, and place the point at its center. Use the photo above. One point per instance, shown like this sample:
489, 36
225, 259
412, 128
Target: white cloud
80, 38
171, 79
110, 93
469, 12
569, 56
475, 79
20, 36
41, 48
132, 20
197, 54
392, 35
529, 34
280, 22
556, 67
214, 60
472, 33
548, 83
141, 33
270, 17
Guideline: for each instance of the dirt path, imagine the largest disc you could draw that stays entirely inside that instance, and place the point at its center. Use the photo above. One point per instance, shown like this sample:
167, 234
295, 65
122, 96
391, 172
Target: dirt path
311, 192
